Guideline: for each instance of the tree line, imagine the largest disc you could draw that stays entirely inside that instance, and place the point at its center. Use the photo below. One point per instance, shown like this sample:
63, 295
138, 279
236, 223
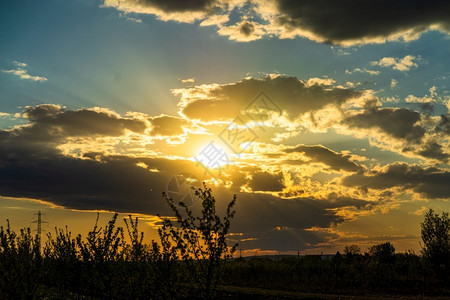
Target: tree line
193, 259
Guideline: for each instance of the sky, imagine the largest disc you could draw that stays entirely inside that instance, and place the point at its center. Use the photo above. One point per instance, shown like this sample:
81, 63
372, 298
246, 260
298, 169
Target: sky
329, 120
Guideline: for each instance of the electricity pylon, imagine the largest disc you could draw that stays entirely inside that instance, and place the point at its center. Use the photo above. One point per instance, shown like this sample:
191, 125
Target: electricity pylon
39, 222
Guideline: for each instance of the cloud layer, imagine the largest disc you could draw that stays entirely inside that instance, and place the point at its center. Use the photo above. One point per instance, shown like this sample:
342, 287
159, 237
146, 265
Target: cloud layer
344, 22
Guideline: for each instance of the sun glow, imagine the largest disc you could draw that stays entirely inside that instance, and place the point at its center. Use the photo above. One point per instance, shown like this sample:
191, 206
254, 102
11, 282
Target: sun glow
212, 156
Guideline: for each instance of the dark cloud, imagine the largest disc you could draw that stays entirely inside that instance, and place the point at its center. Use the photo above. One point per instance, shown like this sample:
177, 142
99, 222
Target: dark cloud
376, 239
273, 223
31, 164
337, 22
400, 123
432, 149
405, 126
115, 185
257, 213
334, 200
211, 110
444, 125
336, 161
285, 239
289, 94
427, 108
176, 5
264, 181
344, 22
43, 111
247, 29
432, 182
55, 121
167, 126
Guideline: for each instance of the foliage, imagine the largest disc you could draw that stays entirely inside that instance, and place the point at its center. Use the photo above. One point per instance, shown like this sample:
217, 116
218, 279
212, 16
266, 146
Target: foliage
436, 241
189, 261
383, 253
201, 240
62, 254
352, 251
20, 264
315, 274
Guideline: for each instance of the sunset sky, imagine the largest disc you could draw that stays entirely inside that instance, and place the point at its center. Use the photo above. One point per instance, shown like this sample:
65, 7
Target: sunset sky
330, 120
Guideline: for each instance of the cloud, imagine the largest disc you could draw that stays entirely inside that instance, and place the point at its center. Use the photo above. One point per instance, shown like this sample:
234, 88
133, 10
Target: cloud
244, 31
345, 22
284, 239
277, 212
3, 114
176, 10
291, 105
167, 126
246, 28
22, 73
320, 81
19, 64
444, 124
187, 80
420, 212
431, 97
176, 5
400, 130
359, 70
401, 64
394, 83
288, 222
434, 150
51, 130
215, 20
34, 163
430, 181
349, 22
226, 101
400, 123
264, 181
55, 121
110, 184
336, 161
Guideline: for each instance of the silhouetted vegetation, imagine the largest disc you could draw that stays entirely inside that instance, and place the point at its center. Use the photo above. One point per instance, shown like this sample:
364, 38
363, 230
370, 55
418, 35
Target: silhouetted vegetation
193, 260
200, 242
436, 242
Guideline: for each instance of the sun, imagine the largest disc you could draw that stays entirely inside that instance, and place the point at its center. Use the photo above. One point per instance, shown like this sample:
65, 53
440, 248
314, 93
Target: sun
212, 156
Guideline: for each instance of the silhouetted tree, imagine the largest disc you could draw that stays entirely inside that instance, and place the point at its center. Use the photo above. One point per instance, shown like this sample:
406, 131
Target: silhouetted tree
352, 251
20, 264
99, 251
136, 270
62, 258
201, 240
383, 253
436, 241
